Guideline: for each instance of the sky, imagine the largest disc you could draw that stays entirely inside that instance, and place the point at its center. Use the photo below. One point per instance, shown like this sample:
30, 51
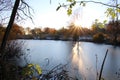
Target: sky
45, 14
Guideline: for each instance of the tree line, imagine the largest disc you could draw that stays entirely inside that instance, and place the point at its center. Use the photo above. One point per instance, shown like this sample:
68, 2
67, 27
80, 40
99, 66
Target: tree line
99, 32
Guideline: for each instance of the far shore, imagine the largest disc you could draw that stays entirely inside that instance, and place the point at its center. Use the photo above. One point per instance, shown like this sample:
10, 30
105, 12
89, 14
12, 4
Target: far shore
85, 40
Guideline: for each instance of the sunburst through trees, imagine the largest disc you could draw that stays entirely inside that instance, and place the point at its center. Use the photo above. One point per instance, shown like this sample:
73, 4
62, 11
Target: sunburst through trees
75, 31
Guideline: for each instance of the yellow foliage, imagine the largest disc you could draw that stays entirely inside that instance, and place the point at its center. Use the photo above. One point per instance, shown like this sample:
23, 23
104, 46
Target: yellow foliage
38, 68
30, 69
30, 65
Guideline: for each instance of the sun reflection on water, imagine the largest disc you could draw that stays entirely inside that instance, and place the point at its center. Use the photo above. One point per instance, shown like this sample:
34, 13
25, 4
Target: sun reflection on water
81, 63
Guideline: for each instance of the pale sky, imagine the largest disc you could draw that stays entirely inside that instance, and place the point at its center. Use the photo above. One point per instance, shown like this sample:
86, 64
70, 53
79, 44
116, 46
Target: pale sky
45, 14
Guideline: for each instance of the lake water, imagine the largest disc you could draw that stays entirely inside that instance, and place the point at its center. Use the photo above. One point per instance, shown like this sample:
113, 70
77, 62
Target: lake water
84, 58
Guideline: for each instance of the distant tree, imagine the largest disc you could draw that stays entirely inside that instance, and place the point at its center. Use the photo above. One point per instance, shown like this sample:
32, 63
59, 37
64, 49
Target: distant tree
98, 26
87, 32
27, 30
36, 31
15, 32
113, 29
46, 30
75, 31
61, 31
33, 32
52, 31
98, 37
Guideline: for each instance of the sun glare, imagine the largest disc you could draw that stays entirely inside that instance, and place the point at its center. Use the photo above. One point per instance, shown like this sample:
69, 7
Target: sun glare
85, 23
77, 23
76, 30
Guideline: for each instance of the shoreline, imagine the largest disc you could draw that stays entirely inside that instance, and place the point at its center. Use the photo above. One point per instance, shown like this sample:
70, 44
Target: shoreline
104, 42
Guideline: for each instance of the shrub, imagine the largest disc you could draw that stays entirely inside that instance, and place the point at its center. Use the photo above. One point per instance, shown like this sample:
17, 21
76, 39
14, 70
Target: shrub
9, 70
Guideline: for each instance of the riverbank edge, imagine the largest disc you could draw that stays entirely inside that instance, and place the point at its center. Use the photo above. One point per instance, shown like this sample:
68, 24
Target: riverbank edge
92, 41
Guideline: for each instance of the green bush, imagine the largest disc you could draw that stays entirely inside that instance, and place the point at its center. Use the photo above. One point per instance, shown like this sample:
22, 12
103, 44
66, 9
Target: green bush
98, 37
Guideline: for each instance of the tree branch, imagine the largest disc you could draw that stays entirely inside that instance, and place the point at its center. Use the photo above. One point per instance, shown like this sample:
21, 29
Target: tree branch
24, 10
27, 9
98, 3
109, 5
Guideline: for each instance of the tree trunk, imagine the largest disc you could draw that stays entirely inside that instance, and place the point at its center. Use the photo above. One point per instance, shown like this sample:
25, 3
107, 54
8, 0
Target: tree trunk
14, 11
115, 39
4, 41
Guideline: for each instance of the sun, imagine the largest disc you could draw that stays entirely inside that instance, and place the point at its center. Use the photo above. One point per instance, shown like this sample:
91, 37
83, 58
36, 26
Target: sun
76, 29
84, 23
78, 23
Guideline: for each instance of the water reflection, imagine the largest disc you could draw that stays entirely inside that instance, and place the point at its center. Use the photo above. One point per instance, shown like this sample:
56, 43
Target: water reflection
82, 63
87, 59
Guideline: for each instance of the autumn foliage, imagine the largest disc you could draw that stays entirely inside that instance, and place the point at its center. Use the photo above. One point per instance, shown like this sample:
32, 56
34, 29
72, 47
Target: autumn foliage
15, 32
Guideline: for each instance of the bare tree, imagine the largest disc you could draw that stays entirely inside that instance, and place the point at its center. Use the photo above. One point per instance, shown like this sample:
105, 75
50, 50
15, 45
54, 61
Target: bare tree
23, 12
18, 8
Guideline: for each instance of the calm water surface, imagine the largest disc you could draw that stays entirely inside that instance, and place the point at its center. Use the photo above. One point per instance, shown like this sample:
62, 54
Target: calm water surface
84, 58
